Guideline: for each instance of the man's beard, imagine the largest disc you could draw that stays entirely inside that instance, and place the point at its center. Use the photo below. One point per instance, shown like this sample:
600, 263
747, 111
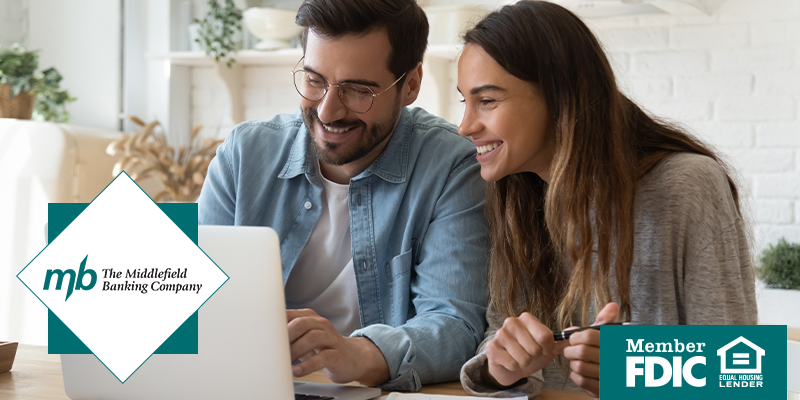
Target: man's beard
332, 153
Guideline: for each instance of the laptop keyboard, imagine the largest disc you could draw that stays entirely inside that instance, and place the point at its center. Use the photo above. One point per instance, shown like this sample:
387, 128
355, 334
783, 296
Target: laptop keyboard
311, 397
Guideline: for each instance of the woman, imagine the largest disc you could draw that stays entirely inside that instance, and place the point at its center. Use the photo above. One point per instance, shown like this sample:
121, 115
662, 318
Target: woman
598, 211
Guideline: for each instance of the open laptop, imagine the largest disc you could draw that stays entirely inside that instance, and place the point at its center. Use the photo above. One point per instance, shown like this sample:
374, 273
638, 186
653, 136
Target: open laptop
243, 341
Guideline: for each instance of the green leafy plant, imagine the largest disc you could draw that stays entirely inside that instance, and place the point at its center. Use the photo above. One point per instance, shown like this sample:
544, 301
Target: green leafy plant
18, 69
218, 28
50, 100
780, 266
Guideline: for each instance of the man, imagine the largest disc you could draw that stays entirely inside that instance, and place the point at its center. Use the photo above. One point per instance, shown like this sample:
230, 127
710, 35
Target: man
379, 208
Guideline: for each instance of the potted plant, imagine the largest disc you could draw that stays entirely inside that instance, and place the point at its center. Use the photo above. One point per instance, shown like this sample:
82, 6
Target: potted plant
218, 33
24, 92
219, 30
180, 171
779, 294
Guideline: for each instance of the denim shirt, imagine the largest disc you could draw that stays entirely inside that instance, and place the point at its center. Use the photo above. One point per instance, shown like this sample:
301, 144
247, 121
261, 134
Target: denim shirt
419, 232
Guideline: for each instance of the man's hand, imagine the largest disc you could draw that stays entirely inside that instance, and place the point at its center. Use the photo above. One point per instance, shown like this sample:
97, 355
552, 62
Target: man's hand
521, 347
341, 359
584, 353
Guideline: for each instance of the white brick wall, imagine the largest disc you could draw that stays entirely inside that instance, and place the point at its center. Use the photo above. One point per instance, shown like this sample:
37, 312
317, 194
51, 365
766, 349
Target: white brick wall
716, 36
668, 62
704, 85
778, 135
777, 83
755, 109
774, 211
268, 90
753, 59
726, 135
733, 78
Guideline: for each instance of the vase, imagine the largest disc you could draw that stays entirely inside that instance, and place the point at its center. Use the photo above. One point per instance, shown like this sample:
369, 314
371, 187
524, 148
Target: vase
273, 26
20, 107
232, 78
777, 306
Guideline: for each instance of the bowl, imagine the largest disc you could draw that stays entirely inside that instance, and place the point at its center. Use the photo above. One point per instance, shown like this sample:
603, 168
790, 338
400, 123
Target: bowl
7, 352
273, 26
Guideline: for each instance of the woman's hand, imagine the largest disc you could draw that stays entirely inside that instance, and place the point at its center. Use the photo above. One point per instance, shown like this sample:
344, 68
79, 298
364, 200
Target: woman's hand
584, 353
522, 346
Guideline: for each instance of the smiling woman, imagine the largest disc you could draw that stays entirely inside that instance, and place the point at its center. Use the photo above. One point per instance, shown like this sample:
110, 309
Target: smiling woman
598, 211
506, 117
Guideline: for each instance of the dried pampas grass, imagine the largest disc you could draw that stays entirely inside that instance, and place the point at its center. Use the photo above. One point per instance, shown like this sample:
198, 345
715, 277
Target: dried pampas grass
146, 154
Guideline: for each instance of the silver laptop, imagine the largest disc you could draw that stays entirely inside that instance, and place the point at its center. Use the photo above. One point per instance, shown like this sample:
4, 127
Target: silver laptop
243, 341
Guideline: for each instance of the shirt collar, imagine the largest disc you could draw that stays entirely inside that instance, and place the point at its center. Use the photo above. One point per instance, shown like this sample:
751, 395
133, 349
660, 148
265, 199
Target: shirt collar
391, 165
301, 157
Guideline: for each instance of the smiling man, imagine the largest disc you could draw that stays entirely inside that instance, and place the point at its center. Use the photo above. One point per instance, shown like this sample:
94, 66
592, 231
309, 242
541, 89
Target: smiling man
379, 208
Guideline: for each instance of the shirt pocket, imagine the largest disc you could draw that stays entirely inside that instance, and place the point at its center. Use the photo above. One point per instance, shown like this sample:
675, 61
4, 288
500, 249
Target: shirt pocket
399, 269
400, 265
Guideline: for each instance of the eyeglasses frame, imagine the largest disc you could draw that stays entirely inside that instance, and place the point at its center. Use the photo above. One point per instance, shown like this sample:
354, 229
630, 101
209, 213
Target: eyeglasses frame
338, 88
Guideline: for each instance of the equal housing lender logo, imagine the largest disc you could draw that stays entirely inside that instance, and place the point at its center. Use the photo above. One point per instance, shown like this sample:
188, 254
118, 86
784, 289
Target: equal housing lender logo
122, 278
693, 361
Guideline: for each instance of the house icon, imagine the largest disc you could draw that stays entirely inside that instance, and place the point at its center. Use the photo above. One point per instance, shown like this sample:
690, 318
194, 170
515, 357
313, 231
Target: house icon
745, 357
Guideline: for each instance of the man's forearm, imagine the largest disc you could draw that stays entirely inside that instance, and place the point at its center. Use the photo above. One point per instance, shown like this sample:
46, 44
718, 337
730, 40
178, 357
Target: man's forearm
373, 368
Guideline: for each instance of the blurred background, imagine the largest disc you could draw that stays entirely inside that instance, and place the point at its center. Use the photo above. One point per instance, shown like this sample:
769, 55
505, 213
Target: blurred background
729, 70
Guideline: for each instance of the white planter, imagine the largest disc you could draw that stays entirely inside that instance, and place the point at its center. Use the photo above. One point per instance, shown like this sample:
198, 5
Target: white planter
273, 26
778, 306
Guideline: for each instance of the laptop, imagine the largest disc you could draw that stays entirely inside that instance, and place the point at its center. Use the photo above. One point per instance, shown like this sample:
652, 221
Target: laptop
243, 341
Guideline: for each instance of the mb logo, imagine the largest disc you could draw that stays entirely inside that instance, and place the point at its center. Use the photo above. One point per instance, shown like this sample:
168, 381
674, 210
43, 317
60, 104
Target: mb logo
76, 284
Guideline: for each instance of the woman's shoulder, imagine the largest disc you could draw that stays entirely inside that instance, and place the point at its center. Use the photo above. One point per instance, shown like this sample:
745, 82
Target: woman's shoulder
688, 169
689, 184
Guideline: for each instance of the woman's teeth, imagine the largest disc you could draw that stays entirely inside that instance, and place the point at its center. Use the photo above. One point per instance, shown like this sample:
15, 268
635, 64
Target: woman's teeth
483, 150
337, 130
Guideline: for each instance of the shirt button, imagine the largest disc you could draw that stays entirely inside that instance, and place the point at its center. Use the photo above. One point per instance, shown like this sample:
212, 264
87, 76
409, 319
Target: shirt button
307, 205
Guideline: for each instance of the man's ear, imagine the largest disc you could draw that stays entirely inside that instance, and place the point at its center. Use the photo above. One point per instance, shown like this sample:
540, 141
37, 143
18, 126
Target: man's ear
412, 84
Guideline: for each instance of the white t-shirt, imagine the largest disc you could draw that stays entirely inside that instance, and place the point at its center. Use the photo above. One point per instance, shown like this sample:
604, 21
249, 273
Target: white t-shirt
323, 279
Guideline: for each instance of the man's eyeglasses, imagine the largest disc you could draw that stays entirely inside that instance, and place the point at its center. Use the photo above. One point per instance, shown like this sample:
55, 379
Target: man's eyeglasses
356, 97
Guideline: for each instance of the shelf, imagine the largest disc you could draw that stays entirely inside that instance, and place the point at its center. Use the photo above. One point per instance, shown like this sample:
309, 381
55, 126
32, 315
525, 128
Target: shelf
438, 62
243, 57
276, 57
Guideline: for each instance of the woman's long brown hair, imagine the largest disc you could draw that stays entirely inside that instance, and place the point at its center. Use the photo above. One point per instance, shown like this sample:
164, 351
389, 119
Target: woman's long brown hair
583, 219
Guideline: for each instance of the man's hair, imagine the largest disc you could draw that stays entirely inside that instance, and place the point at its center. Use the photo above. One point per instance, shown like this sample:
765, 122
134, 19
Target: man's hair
403, 20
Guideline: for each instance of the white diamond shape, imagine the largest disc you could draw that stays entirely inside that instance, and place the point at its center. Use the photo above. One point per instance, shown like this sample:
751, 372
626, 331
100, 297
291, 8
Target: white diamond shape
123, 229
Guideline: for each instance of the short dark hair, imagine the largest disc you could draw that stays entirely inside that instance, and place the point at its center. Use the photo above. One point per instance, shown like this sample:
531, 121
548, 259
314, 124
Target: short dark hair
404, 21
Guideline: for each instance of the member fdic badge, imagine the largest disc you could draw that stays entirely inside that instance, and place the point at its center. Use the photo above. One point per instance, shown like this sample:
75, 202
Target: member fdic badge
693, 361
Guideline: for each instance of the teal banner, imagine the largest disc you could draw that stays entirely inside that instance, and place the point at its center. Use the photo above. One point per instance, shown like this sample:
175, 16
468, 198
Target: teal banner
693, 362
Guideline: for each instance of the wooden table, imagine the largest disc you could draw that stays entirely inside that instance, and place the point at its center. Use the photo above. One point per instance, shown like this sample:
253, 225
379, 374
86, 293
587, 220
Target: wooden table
793, 334
36, 375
